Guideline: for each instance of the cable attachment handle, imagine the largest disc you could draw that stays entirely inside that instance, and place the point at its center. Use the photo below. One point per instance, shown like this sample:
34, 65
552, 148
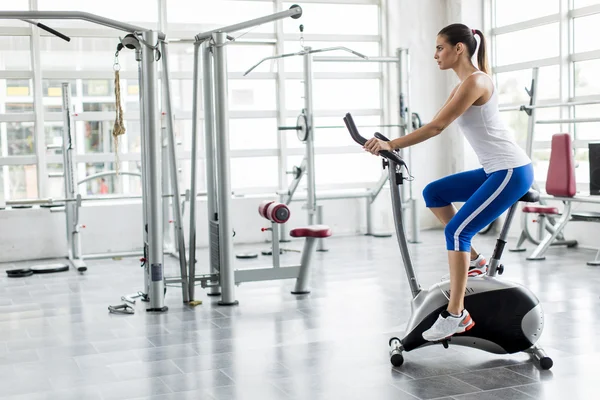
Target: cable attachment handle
302, 37
116, 65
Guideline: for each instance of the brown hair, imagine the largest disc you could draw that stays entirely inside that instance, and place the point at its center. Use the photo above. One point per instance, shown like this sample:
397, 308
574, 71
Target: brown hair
460, 33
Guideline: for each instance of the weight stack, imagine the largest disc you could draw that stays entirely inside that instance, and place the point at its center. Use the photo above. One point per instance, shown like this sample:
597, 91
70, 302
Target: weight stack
594, 156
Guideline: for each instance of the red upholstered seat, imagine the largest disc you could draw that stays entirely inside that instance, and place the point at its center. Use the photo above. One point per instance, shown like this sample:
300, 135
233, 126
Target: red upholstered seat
316, 231
540, 209
560, 180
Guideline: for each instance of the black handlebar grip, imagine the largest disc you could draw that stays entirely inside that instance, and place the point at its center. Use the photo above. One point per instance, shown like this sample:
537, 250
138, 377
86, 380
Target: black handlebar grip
52, 31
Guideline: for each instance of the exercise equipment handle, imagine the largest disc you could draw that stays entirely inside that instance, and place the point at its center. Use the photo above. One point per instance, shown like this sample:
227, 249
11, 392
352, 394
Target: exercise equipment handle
48, 29
392, 156
54, 32
289, 128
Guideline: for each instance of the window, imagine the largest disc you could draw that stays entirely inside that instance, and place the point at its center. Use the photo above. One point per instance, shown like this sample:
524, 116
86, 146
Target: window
86, 63
252, 172
537, 44
252, 94
253, 133
534, 43
335, 94
22, 181
584, 3
20, 138
358, 19
20, 56
587, 130
586, 77
85, 54
219, 13
511, 85
138, 12
505, 10
369, 49
585, 33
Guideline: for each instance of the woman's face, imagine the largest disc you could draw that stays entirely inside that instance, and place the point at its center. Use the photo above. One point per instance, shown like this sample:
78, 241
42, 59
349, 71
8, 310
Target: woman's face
446, 54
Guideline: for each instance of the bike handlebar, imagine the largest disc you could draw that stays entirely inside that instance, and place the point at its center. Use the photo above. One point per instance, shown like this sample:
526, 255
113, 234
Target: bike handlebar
390, 155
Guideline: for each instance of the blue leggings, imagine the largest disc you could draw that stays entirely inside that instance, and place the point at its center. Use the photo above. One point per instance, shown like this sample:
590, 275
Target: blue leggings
486, 197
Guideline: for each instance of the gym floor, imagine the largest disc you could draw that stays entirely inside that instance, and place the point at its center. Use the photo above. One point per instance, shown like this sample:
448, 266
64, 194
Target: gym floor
58, 340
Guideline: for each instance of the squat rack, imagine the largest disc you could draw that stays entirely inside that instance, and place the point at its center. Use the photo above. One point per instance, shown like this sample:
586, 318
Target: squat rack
306, 128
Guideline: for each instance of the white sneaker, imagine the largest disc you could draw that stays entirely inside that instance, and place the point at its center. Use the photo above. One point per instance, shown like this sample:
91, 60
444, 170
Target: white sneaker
477, 266
447, 325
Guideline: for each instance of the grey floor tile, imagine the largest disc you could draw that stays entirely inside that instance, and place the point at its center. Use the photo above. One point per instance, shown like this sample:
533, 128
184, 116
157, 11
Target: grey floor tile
573, 387
16, 357
254, 391
69, 351
439, 386
78, 393
105, 359
110, 346
497, 394
165, 353
143, 369
494, 378
196, 381
133, 389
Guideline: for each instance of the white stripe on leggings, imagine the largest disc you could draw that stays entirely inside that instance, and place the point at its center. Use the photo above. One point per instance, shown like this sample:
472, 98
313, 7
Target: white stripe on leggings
481, 208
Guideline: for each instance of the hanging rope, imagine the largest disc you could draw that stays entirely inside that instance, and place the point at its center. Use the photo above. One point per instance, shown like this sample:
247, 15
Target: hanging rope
119, 127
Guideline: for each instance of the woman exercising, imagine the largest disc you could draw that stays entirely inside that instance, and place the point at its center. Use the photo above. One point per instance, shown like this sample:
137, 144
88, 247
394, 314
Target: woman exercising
507, 172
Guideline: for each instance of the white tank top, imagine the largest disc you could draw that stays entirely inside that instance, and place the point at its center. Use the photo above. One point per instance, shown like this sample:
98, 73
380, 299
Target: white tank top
491, 139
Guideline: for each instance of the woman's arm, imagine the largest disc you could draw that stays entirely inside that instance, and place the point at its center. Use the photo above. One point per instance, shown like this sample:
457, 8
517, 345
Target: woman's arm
466, 94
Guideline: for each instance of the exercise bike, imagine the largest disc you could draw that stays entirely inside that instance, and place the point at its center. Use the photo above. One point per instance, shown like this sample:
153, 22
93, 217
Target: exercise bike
509, 318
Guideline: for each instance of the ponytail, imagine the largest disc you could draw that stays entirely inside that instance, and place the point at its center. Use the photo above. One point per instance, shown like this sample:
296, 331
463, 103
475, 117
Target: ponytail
481, 53
460, 33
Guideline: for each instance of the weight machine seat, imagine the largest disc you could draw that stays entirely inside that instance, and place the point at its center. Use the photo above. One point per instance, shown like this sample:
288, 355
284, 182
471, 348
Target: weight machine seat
540, 210
314, 231
532, 196
560, 180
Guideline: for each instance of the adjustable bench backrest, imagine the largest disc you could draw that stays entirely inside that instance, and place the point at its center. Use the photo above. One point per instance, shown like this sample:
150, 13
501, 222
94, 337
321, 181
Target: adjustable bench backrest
560, 180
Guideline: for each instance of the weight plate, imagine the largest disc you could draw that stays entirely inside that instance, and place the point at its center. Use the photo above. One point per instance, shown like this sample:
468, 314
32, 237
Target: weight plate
302, 130
19, 273
246, 255
49, 268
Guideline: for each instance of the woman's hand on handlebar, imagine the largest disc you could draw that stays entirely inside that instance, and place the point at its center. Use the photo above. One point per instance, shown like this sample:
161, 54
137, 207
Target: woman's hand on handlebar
374, 146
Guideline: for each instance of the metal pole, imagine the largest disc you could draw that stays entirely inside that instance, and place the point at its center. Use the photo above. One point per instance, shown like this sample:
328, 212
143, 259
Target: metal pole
532, 115
406, 120
320, 241
354, 59
194, 168
311, 201
368, 203
226, 274
294, 12
166, 214
144, 152
75, 15
172, 166
154, 201
210, 161
72, 207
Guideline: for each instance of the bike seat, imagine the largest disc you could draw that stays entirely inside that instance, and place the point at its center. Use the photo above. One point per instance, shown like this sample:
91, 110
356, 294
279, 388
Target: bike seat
532, 196
315, 231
